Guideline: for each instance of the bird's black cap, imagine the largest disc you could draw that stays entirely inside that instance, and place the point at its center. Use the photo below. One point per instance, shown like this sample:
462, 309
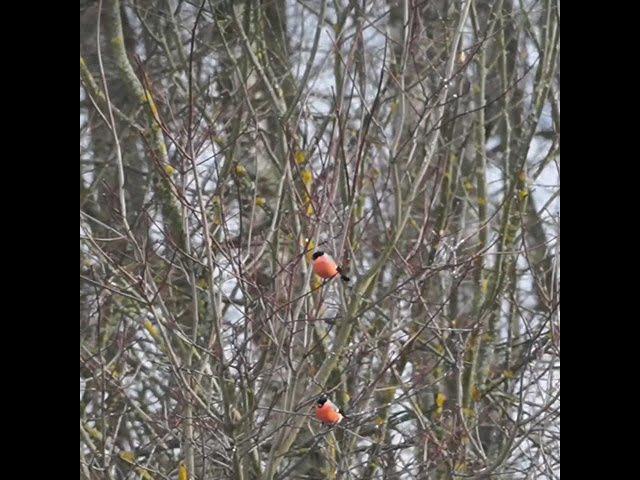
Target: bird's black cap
317, 254
321, 401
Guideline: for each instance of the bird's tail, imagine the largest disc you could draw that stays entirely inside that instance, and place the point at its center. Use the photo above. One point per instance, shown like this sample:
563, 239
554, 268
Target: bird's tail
342, 276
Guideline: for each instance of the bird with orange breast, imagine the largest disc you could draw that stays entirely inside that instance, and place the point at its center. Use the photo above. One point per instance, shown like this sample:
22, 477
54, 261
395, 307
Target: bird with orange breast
325, 267
327, 412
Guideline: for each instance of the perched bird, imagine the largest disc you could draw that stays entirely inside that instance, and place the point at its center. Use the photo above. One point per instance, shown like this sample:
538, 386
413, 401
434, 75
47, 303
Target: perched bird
327, 412
325, 267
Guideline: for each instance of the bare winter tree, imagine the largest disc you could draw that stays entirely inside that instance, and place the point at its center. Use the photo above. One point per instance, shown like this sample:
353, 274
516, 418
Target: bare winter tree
222, 143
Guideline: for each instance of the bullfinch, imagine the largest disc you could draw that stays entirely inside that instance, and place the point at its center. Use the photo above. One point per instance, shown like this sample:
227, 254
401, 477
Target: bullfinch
325, 267
327, 412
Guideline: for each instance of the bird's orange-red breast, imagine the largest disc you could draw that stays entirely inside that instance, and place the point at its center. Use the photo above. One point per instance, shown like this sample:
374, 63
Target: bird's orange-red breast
325, 267
327, 412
